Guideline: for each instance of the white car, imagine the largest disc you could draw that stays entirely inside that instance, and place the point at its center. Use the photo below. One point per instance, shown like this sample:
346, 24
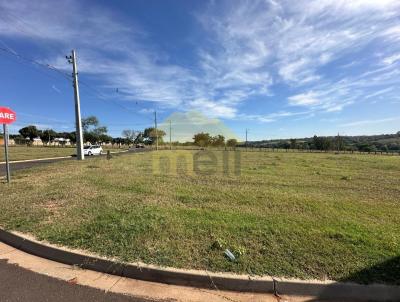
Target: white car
92, 150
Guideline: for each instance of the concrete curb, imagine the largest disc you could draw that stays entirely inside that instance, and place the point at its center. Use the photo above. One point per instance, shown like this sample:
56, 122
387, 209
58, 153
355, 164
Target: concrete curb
52, 158
203, 279
35, 160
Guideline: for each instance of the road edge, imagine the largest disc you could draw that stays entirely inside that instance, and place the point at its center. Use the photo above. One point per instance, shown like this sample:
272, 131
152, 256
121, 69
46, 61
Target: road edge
55, 158
36, 159
202, 279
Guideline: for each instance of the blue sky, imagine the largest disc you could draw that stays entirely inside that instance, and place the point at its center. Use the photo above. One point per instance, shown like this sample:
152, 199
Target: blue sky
279, 68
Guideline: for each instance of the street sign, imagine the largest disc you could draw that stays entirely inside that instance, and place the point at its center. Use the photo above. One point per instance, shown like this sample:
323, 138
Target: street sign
7, 116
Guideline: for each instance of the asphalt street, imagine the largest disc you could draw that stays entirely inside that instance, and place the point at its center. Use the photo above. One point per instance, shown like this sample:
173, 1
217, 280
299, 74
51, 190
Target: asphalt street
18, 284
27, 165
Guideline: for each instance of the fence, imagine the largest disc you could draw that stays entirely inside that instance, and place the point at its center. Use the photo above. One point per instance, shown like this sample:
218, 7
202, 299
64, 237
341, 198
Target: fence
277, 150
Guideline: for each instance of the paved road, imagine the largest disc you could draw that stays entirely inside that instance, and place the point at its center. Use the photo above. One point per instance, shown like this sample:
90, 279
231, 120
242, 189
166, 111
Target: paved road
18, 284
27, 165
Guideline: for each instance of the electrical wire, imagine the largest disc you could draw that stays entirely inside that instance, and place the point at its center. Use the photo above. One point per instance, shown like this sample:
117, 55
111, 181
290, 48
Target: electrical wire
26, 29
92, 90
31, 62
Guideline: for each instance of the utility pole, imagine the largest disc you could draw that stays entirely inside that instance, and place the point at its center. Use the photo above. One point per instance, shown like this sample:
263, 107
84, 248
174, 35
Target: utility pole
155, 126
170, 135
246, 137
79, 137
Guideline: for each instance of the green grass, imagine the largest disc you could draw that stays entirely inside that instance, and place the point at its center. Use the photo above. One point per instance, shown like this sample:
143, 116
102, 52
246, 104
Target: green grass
35, 152
287, 214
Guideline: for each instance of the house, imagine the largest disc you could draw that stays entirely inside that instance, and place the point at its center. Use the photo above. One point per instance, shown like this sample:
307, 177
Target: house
11, 142
36, 141
60, 141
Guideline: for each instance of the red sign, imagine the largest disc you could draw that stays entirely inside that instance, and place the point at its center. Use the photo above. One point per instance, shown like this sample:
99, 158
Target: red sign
7, 116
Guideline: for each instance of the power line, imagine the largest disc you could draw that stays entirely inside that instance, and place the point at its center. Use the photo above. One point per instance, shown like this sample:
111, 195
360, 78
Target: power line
95, 92
8, 49
46, 66
28, 30
32, 61
104, 98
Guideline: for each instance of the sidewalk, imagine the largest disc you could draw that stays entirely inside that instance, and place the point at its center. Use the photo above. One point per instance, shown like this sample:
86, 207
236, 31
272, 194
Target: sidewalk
148, 291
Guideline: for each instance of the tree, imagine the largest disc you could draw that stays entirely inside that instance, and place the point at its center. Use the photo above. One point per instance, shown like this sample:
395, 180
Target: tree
91, 137
218, 140
130, 135
202, 139
326, 143
99, 131
339, 143
150, 135
47, 135
293, 143
104, 138
322, 143
92, 132
366, 147
284, 145
30, 132
317, 143
90, 121
231, 142
117, 141
71, 136
139, 138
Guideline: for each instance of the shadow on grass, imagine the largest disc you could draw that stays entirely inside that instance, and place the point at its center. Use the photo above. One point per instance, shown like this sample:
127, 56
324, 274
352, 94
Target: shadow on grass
387, 272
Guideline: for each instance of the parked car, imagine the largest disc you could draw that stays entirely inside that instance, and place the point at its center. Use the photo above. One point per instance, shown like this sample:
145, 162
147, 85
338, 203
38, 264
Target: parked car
92, 150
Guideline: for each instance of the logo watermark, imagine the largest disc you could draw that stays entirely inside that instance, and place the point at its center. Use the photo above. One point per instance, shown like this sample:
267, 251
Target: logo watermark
198, 162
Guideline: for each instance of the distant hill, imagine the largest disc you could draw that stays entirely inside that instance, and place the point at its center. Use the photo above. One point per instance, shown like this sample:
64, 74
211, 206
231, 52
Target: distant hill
368, 143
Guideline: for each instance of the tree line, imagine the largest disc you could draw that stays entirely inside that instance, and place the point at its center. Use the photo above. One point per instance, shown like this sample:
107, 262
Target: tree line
93, 132
205, 140
364, 143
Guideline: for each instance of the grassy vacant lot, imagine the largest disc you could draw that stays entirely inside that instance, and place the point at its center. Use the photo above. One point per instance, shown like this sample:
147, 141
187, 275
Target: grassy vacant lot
24, 152
287, 214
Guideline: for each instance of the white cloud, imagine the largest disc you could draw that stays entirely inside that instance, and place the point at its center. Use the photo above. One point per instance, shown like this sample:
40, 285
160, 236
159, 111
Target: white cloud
249, 47
212, 109
295, 40
379, 92
393, 32
269, 118
304, 99
391, 59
